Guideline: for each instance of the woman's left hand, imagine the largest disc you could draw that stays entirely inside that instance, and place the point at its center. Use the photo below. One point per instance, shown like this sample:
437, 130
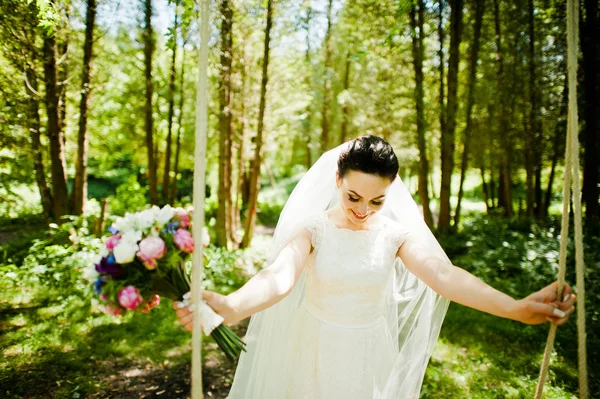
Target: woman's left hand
543, 305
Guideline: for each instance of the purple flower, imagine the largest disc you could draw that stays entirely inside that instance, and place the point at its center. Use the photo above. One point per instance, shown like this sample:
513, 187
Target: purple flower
114, 269
113, 230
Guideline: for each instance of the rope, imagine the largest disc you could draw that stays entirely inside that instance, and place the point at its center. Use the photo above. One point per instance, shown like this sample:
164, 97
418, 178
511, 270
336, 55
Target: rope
571, 185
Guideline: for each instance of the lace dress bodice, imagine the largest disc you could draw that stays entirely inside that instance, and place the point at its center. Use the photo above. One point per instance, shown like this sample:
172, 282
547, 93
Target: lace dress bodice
351, 270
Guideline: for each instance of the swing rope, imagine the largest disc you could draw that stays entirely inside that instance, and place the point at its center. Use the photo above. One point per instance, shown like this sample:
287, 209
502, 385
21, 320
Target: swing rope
571, 186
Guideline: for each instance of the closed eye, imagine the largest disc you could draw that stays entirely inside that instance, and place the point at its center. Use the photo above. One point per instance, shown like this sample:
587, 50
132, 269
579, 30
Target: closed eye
351, 198
377, 203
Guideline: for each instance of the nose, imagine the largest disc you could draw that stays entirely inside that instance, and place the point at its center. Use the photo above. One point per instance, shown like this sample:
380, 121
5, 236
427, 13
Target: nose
362, 210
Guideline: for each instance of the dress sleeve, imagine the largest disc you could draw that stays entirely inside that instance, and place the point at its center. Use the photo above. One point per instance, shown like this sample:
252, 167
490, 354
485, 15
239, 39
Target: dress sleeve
315, 224
398, 234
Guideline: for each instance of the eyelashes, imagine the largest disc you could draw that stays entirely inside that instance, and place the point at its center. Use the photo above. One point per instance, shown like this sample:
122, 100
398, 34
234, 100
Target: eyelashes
352, 199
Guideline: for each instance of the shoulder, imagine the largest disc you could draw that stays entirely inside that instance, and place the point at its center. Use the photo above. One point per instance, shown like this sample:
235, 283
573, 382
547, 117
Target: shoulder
314, 225
395, 230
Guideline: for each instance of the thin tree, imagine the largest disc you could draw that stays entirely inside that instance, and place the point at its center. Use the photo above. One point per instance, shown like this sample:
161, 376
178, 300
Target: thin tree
326, 83
590, 49
171, 99
505, 179
55, 134
80, 186
345, 106
417, 15
448, 135
473, 60
148, 36
255, 173
180, 129
307, 122
225, 105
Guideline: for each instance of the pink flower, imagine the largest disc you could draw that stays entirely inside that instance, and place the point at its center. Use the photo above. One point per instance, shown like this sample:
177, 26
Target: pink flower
183, 216
183, 239
112, 309
112, 242
151, 249
129, 297
152, 303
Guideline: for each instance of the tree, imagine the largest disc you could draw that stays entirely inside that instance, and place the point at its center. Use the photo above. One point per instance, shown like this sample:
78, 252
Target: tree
417, 15
255, 172
172, 74
55, 134
225, 120
590, 48
472, 77
326, 83
448, 134
148, 37
80, 186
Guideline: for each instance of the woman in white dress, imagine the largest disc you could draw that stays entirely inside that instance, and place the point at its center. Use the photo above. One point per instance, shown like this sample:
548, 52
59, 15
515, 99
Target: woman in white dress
356, 289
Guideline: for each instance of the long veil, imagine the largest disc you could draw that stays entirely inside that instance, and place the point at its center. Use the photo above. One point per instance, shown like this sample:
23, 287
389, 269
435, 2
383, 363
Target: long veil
414, 312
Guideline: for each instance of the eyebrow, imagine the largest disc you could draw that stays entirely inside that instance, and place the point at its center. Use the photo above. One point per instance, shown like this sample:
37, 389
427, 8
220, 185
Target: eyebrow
358, 195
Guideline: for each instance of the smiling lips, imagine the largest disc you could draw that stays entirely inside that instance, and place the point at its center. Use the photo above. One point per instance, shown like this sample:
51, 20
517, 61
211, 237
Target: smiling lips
357, 216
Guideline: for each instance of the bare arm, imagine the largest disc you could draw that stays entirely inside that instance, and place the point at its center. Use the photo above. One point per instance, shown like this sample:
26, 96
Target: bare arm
263, 290
462, 287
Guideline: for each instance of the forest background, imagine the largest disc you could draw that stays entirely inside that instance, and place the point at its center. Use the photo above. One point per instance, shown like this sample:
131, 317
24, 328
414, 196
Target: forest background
97, 119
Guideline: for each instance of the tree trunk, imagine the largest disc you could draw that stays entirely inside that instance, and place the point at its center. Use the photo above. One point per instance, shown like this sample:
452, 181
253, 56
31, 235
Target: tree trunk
148, 120
173, 194
558, 146
590, 46
417, 15
241, 170
345, 106
255, 173
504, 195
326, 84
442, 63
484, 188
224, 193
57, 153
474, 57
33, 126
167, 169
308, 119
63, 77
80, 187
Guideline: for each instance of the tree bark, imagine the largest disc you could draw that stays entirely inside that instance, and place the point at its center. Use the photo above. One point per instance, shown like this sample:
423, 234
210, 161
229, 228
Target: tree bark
558, 147
474, 57
225, 104
504, 195
345, 106
173, 73
173, 194
57, 153
326, 84
33, 126
148, 119
308, 119
255, 174
417, 14
451, 107
80, 187
442, 63
590, 46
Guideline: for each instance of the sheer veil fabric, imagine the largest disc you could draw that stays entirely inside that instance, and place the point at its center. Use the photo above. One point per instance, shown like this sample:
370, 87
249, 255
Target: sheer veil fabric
414, 312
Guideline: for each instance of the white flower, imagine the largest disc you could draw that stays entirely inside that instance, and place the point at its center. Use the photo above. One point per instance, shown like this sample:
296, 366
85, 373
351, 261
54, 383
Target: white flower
122, 224
90, 273
165, 215
132, 237
145, 219
125, 251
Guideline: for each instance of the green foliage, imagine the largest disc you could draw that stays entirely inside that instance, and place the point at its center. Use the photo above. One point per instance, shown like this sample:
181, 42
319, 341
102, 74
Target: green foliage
130, 197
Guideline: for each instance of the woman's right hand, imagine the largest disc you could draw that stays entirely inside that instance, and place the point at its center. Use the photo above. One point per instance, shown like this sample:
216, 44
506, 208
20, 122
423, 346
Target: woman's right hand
219, 303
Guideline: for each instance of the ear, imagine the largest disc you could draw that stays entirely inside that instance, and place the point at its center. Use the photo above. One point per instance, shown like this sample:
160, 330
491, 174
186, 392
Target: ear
338, 179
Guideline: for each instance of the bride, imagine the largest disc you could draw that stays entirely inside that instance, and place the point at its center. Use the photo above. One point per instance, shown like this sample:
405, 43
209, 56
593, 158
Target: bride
356, 289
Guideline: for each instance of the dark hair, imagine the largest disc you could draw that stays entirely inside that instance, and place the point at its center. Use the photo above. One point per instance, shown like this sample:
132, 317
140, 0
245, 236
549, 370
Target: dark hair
369, 154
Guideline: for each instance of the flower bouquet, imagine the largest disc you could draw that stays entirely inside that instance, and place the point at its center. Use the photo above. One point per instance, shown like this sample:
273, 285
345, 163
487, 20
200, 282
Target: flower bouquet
143, 260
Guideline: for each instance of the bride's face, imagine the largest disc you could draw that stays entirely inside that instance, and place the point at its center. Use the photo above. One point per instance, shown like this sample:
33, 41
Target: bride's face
361, 195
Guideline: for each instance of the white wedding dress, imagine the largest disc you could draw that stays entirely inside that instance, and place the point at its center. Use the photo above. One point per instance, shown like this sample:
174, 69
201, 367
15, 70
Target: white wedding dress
339, 346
